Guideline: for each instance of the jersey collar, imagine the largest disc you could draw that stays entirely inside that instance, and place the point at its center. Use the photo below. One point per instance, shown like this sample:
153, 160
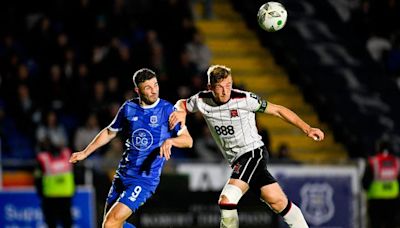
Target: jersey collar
152, 105
219, 103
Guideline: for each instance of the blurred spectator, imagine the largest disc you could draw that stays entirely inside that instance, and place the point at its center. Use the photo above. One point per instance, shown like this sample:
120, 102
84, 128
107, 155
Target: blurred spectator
283, 155
393, 58
60, 49
50, 128
21, 75
113, 93
381, 180
112, 156
198, 83
55, 87
207, 9
199, 52
86, 133
83, 83
55, 184
170, 16
99, 102
151, 51
154, 51
25, 111
69, 64
378, 47
42, 40
101, 32
185, 70
124, 66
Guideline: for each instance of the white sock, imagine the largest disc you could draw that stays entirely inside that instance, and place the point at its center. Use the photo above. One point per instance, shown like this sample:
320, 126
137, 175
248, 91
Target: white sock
229, 219
293, 217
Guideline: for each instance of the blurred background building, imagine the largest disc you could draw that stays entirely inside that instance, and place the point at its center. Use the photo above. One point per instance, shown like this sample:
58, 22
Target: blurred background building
66, 66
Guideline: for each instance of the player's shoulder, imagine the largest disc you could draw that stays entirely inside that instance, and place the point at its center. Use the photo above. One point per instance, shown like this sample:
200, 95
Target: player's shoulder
164, 102
205, 94
133, 103
239, 94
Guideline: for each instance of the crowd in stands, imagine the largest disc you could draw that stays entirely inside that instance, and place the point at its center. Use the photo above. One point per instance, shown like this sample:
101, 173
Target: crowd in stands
67, 66
345, 58
378, 25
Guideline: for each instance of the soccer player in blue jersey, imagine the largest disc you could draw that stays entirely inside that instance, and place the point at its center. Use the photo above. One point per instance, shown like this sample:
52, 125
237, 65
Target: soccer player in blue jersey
148, 142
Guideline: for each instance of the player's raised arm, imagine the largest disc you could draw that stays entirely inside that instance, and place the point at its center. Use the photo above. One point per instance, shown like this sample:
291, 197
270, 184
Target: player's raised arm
291, 117
102, 138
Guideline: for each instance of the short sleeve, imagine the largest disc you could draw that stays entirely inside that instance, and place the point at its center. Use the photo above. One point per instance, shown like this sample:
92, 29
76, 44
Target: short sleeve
256, 103
117, 123
192, 102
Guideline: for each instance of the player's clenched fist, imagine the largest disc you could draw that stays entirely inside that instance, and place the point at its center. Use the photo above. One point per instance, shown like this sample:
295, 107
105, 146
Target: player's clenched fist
77, 156
316, 134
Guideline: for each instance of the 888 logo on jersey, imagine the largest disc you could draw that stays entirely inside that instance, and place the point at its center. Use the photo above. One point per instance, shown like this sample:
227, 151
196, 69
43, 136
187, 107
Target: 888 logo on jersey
224, 130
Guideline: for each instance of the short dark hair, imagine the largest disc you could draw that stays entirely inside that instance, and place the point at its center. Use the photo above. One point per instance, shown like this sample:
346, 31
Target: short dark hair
217, 73
142, 75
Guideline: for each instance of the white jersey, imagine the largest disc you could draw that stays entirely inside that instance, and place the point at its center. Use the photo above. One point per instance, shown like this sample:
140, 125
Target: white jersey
233, 124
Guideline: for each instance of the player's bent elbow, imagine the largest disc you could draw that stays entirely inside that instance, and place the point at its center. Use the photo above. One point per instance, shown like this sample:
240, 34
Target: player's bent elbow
190, 142
185, 141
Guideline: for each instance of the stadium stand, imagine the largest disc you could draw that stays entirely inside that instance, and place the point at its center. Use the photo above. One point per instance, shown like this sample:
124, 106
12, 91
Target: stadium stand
77, 58
324, 51
254, 68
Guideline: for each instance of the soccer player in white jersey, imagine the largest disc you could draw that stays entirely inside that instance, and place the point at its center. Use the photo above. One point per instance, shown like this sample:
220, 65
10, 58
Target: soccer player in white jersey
230, 115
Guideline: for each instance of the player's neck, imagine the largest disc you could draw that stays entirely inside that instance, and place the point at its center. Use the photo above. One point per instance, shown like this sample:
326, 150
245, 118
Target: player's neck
219, 102
145, 105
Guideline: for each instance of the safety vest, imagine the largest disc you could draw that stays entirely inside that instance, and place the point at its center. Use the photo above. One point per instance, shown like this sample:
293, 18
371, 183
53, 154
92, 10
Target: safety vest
58, 177
386, 170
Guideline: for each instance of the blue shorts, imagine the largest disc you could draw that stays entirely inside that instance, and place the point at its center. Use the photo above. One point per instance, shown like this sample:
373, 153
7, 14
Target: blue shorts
133, 194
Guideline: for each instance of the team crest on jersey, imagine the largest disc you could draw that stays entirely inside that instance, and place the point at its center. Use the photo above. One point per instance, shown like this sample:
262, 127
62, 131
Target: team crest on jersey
153, 121
317, 203
234, 113
236, 168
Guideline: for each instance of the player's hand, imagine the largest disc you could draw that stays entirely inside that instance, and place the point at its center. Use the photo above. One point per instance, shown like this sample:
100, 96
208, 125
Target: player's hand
165, 149
77, 156
316, 134
177, 117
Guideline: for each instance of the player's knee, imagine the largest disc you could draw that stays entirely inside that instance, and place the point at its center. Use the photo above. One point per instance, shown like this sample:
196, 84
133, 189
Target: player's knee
228, 201
111, 220
223, 200
230, 197
278, 204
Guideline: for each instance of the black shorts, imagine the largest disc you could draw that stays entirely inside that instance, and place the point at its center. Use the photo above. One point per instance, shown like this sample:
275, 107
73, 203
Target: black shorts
251, 167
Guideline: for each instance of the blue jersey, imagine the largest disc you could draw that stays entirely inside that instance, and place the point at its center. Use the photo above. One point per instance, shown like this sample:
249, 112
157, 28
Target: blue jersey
144, 130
